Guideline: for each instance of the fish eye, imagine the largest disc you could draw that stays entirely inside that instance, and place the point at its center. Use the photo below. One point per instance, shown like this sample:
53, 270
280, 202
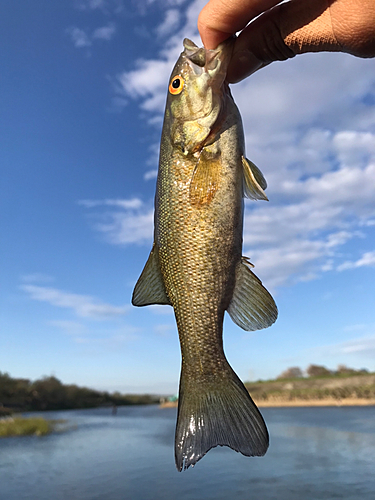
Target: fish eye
176, 85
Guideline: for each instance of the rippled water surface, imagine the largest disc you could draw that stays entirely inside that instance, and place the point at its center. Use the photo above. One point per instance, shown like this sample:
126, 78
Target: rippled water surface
315, 453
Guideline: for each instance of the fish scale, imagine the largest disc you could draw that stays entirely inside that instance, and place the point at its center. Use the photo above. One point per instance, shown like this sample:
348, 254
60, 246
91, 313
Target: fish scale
196, 262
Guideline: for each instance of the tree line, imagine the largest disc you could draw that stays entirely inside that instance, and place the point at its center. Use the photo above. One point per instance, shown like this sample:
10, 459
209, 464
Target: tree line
320, 371
49, 393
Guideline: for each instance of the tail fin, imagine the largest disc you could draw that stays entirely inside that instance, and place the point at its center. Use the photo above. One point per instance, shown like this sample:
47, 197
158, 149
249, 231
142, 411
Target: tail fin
217, 413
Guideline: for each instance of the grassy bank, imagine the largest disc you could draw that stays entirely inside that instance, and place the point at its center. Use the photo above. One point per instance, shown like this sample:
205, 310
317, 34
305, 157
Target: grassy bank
329, 390
315, 391
21, 426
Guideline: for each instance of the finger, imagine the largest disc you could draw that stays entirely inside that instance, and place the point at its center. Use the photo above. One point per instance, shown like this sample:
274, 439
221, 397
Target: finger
257, 46
286, 30
353, 22
221, 18
297, 27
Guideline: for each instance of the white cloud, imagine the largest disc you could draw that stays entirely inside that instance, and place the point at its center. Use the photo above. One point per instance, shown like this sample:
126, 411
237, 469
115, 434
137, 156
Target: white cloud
91, 4
113, 341
356, 328
82, 39
314, 140
364, 346
106, 6
82, 305
368, 223
355, 147
163, 3
285, 261
73, 328
79, 37
286, 241
131, 221
36, 277
174, 2
105, 32
290, 240
164, 329
150, 174
94, 339
125, 228
148, 81
290, 94
367, 259
132, 203
170, 23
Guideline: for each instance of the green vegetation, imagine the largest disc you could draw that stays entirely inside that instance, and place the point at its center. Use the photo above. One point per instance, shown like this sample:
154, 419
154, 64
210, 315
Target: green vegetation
319, 384
48, 393
315, 371
26, 426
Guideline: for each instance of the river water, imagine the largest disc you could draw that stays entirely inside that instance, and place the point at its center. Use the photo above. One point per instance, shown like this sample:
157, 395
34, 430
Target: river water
315, 453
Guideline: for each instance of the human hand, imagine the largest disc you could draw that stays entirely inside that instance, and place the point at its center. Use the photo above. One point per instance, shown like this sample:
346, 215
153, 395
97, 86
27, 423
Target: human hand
282, 31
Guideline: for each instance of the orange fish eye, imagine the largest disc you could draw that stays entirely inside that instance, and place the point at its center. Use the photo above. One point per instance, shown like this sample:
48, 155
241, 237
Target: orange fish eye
176, 85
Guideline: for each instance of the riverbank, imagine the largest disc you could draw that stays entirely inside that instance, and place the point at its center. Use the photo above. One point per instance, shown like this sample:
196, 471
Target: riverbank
284, 403
352, 390
49, 394
334, 390
315, 402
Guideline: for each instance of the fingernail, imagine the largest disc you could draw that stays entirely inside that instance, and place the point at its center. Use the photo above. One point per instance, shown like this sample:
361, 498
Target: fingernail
243, 64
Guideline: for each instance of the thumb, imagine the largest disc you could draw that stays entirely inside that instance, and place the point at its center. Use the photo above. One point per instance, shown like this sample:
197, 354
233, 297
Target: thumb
296, 27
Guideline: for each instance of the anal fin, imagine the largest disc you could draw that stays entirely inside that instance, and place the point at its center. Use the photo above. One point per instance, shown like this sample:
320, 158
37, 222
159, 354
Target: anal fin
150, 288
252, 306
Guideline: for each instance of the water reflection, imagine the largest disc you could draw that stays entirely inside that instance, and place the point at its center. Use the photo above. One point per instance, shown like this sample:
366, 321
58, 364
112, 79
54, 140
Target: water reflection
320, 453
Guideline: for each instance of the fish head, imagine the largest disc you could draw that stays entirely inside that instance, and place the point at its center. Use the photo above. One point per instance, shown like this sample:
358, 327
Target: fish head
196, 94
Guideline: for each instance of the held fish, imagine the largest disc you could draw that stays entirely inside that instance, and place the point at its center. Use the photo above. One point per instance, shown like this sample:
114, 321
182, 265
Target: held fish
196, 262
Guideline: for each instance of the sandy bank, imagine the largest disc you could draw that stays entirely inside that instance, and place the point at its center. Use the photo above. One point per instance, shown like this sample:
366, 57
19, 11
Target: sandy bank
316, 402
169, 404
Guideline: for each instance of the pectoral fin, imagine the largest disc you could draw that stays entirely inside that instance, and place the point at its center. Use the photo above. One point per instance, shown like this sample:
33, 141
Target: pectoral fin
194, 134
252, 307
254, 182
150, 287
205, 180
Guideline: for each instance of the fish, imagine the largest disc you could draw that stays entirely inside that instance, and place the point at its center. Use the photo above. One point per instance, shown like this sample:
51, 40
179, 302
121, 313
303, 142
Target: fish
196, 263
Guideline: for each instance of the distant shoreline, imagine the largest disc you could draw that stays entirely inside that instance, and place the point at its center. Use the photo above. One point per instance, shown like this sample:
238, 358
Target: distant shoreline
316, 402
299, 403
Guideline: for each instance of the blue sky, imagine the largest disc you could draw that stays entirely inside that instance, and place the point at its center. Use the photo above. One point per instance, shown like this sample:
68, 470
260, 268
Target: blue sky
82, 88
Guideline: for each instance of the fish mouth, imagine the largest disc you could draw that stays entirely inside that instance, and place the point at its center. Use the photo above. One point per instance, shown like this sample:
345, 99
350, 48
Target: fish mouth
214, 62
